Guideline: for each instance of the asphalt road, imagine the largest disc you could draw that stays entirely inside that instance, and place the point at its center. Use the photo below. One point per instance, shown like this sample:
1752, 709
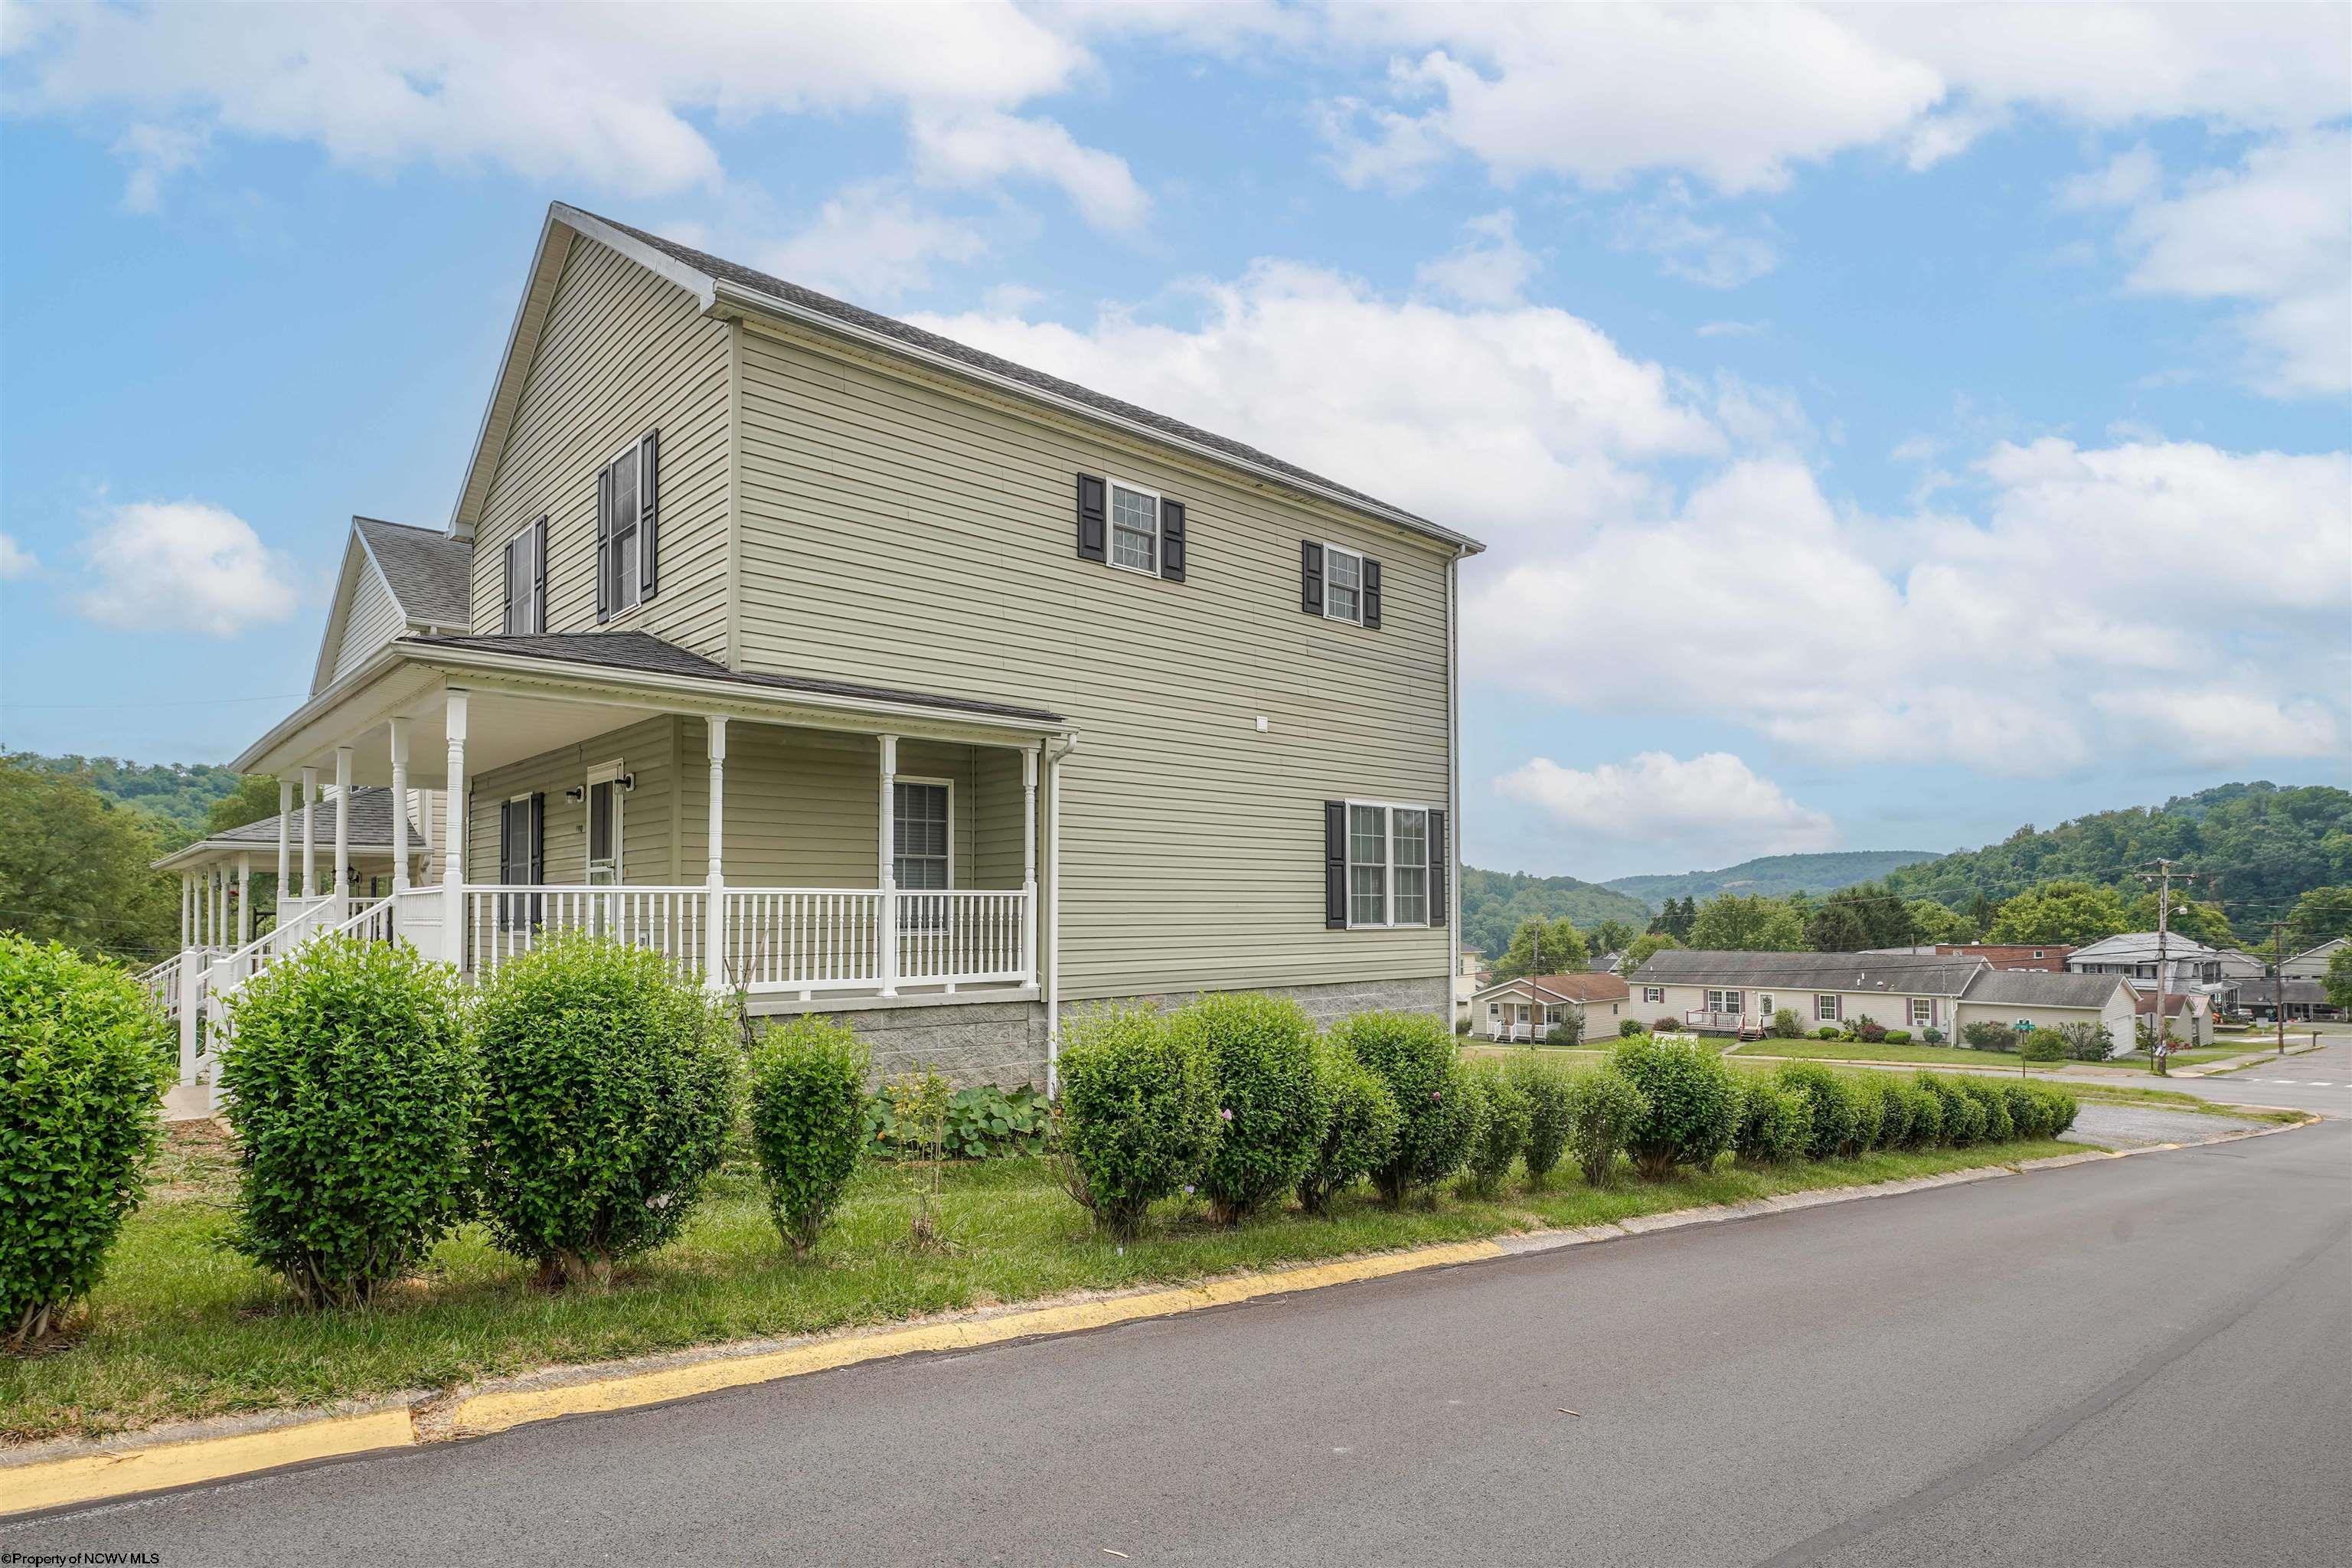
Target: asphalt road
2136, 1361
2317, 1080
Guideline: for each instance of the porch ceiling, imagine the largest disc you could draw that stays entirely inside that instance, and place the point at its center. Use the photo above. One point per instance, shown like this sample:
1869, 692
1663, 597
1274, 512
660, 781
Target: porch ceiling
522, 703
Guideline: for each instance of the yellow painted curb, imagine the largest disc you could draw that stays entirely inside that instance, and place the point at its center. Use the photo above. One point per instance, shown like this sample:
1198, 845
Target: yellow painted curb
497, 1412
86, 1478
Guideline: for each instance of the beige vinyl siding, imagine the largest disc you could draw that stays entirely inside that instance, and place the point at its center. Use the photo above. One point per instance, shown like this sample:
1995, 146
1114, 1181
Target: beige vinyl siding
648, 813
624, 352
895, 532
373, 619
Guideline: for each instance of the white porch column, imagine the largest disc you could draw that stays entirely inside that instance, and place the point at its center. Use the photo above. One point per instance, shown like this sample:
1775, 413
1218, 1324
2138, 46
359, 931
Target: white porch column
220, 905
399, 806
714, 924
187, 910
310, 849
285, 824
1029, 863
453, 858
244, 900
343, 905
889, 943
204, 906
193, 965
1054, 921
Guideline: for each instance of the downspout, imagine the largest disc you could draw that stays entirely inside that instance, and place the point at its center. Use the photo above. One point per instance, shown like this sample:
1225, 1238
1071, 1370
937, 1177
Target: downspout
1453, 788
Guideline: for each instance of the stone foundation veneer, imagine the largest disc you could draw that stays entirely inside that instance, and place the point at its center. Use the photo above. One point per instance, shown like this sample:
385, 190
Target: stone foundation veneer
1003, 1043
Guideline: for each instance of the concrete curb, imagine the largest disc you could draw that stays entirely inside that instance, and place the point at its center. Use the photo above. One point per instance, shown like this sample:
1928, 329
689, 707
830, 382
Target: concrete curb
58, 1475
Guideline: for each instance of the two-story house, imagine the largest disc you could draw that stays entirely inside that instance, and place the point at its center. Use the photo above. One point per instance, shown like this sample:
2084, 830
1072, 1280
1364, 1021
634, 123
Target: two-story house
871, 674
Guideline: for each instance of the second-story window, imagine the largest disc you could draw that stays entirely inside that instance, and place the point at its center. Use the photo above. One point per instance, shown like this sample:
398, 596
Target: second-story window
627, 533
1127, 526
526, 586
1134, 530
1343, 590
1340, 584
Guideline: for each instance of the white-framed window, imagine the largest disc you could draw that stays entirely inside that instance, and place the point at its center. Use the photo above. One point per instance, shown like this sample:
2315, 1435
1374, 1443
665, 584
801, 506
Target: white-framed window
1343, 584
922, 833
1494, 1009
603, 807
626, 490
525, 567
1724, 1001
1825, 1007
2037, 953
1135, 528
1651, 994
1388, 864
1923, 1012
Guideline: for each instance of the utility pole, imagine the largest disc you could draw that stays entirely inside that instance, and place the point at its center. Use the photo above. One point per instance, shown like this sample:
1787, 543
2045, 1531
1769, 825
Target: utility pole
2163, 931
2278, 982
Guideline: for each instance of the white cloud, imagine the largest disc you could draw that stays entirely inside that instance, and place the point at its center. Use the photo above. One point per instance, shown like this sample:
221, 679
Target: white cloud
605, 95
15, 561
870, 242
2127, 178
1490, 268
1709, 254
156, 152
181, 566
1712, 809
1729, 328
2274, 232
976, 147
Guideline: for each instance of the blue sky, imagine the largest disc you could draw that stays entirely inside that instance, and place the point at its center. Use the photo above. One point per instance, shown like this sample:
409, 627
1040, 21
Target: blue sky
1891, 426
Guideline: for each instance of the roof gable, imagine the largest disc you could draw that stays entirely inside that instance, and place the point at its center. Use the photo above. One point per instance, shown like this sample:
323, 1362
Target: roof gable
426, 575
708, 277
1913, 974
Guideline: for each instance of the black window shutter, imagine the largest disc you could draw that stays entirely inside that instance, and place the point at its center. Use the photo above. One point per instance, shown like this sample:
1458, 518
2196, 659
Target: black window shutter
507, 624
1171, 541
1372, 594
537, 840
1093, 538
1310, 578
649, 516
1334, 865
538, 577
1441, 862
604, 542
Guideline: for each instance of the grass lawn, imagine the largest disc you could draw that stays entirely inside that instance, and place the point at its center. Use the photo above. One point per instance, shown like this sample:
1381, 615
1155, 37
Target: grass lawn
1861, 1051
180, 1328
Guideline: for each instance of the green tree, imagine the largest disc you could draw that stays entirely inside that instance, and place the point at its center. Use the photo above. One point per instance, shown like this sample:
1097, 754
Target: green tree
1644, 946
1612, 936
2337, 981
2074, 912
2318, 916
74, 868
1676, 920
2197, 922
1543, 947
255, 799
1862, 916
1932, 922
1748, 922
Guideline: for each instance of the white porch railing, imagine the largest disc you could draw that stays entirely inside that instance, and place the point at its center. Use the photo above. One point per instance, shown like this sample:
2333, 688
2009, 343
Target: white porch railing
504, 921
804, 939
161, 983
1730, 1023
295, 928
968, 937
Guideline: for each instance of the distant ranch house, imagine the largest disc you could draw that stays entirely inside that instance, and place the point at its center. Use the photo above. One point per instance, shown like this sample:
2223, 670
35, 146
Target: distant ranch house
2038, 999
2312, 962
1532, 1007
1738, 993
2305, 999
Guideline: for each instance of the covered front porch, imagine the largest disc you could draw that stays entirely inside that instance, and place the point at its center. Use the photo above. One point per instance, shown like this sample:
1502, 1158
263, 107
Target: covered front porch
805, 843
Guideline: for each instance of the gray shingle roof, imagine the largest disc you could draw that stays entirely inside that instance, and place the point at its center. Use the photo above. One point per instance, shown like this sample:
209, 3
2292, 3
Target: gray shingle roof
978, 359
644, 652
1913, 974
430, 573
2040, 988
371, 823
2299, 993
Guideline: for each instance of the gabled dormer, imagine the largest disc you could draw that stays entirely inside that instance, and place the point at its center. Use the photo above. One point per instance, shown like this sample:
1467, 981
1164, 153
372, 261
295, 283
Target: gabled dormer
395, 580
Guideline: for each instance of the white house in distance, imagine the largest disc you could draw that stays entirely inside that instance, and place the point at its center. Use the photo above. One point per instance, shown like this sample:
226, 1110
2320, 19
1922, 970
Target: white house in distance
2214, 972
2048, 1001
2312, 962
1532, 1005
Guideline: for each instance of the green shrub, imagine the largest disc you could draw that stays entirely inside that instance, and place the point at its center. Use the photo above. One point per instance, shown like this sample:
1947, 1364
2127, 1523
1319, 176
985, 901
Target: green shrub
1665, 1025
1628, 1029
1359, 1127
1869, 1093
2060, 1106
1869, 1029
2029, 1113
1694, 1104
1897, 1037
1931, 1035
350, 1085
1412, 1056
984, 1122
84, 1063
1832, 1098
1461, 1028
1545, 1084
1896, 1106
1828, 1032
808, 1121
1604, 1110
1775, 1123
1138, 1114
1962, 1121
1786, 1024
2087, 1042
1989, 1094
1924, 1126
609, 1089
1261, 1050
1502, 1128
2044, 1045
1568, 1033
1986, 1036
